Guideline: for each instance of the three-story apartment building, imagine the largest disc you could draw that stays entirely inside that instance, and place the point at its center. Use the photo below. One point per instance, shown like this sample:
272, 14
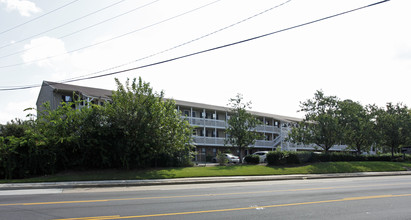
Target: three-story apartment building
209, 121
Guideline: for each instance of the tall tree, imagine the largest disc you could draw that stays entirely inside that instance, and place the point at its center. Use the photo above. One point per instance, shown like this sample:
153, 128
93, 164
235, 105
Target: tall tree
15, 128
358, 126
394, 126
146, 127
241, 125
320, 125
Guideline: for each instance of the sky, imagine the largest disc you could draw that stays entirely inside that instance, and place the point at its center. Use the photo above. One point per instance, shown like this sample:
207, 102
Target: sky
364, 56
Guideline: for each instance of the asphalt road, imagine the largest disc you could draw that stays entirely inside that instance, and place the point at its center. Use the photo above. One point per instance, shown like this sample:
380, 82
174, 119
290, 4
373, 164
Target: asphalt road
341, 198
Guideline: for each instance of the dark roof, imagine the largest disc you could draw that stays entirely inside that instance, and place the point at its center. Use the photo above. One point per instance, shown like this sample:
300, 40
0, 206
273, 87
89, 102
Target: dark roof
87, 91
106, 94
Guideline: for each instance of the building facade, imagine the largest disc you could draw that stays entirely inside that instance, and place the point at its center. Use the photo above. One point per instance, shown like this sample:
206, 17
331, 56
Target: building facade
209, 121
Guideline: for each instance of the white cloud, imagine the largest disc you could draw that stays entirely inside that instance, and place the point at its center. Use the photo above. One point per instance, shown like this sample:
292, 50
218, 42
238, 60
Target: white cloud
15, 110
43, 51
25, 8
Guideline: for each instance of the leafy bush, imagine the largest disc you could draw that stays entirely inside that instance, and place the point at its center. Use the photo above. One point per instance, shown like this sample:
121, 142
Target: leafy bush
221, 159
275, 158
291, 157
304, 156
252, 159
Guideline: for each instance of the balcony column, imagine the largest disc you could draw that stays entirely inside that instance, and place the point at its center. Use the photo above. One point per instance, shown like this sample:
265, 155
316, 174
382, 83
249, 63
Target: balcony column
215, 119
204, 126
191, 115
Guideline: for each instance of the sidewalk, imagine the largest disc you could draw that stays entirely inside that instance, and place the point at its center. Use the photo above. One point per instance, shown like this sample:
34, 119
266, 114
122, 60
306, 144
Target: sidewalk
128, 183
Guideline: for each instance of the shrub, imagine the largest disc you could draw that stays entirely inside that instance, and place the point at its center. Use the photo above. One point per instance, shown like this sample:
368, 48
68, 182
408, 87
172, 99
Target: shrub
221, 159
275, 158
304, 156
252, 159
378, 158
291, 157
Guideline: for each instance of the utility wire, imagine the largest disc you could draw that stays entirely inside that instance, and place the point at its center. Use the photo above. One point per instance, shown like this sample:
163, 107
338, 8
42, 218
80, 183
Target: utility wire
183, 44
59, 26
85, 28
111, 39
180, 45
211, 49
36, 18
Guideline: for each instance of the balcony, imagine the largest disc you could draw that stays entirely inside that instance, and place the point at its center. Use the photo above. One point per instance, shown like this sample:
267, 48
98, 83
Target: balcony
268, 128
213, 141
214, 123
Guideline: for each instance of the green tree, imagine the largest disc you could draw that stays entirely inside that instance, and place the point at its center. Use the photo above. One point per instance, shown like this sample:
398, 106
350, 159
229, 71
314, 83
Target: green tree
359, 131
241, 130
14, 128
394, 126
61, 130
147, 128
321, 125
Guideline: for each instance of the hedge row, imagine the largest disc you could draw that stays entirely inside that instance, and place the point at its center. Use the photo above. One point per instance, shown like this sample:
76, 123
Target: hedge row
300, 157
252, 159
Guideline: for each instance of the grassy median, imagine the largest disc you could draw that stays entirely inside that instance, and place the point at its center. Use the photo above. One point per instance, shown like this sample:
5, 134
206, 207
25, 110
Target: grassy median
230, 170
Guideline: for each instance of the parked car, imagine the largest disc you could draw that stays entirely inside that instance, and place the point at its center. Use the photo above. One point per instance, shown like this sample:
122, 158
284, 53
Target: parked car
230, 157
262, 155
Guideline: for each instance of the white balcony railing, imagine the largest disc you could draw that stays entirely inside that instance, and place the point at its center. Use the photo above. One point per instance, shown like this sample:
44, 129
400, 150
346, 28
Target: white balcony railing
223, 124
268, 128
206, 122
209, 141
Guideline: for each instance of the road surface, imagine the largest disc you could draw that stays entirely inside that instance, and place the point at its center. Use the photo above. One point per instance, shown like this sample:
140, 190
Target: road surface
340, 198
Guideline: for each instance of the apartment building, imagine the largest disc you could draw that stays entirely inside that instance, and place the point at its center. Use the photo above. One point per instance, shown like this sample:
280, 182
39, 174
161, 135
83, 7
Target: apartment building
209, 121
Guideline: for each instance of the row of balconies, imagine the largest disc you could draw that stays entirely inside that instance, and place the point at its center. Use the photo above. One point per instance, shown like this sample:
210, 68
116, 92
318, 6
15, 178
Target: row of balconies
214, 123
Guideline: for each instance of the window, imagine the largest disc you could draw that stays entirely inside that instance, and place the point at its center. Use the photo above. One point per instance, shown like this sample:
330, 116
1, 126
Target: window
67, 98
186, 113
193, 114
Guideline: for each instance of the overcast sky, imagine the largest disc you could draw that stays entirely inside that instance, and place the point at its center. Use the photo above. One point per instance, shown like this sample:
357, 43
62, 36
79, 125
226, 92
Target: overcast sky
364, 56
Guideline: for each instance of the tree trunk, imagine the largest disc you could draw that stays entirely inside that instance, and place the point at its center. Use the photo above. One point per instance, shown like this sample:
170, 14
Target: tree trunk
240, 154
392, 152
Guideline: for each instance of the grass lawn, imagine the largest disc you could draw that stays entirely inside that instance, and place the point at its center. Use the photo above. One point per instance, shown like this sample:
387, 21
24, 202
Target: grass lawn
232, 170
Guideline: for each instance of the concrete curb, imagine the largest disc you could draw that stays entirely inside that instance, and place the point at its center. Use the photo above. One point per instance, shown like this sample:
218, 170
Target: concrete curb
199, 180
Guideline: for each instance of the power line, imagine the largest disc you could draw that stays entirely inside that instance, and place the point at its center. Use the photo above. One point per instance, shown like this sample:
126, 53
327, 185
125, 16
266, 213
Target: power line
210, 49
180, 45
183, 44
36, 18
113, 38
85, 28
59, 26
